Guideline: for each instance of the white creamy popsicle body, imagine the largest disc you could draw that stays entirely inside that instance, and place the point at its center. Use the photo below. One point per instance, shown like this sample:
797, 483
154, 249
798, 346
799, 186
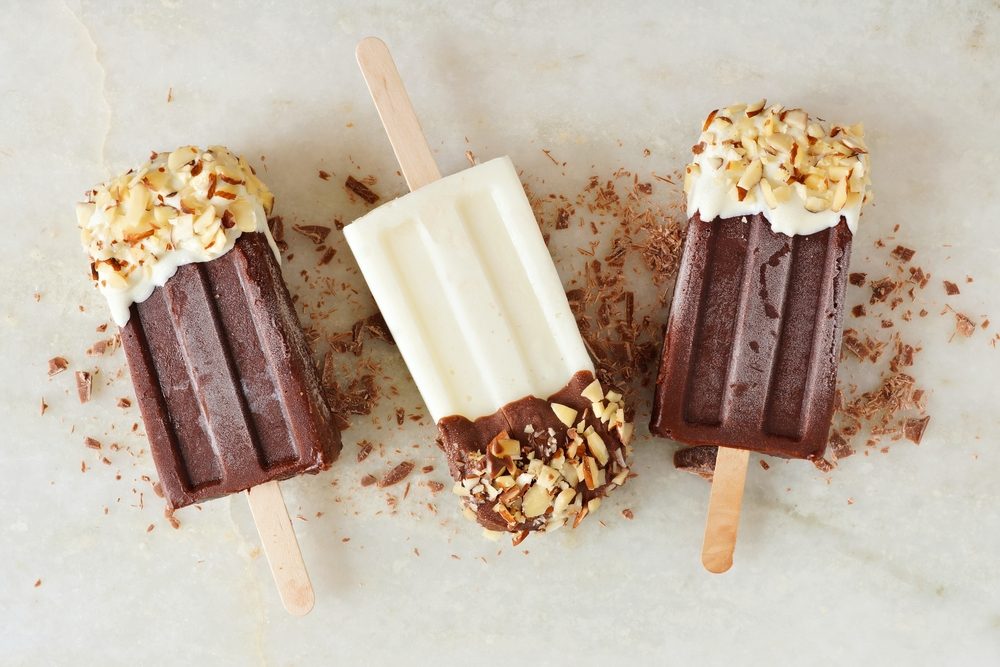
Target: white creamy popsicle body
465, 283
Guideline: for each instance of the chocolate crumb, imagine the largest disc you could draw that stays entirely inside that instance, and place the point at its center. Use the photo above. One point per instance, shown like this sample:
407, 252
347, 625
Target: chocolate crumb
124, 403
169, 515
368, 480
92, 443
38, 583
764, 464
435, 487
44, 406
400, 416
858, 278
858, 310
823, 465
325, 175
950, 288
627, 513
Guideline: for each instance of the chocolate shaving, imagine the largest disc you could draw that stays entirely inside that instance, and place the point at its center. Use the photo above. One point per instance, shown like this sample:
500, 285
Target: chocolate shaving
315, 233
562, 219
950, 288
361, 190
914, 428
881, 289
102, 346
365, 449
903, 254
57, 365
964, 326
396, 475
368, 480
84, 385
325, 175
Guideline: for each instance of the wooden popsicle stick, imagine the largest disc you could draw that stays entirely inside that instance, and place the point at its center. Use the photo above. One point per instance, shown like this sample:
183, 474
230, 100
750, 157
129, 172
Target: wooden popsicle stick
724, 505
397, 114
281, 548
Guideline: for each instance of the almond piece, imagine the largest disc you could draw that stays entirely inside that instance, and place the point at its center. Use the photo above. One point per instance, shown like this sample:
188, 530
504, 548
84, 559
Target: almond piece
565, 413
751, 176
597, 447
535, 502
593, 392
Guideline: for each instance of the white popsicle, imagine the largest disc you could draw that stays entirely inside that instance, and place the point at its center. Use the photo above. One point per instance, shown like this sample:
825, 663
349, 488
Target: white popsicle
465, 283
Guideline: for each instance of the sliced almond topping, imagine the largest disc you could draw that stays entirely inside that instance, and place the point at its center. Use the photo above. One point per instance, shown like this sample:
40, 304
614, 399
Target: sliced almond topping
593, 392
590, 472
565, 413
536, 502
597, 447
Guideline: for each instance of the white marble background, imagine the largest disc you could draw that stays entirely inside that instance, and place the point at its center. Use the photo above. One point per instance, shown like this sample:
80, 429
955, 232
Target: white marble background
907, 574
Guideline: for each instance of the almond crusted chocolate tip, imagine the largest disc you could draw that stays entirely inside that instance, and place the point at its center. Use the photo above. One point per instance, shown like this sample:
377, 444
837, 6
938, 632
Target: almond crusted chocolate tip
536, 464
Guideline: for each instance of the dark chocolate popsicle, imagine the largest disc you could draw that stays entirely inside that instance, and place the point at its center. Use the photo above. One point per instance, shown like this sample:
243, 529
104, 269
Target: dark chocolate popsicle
228, 392
751, 350
752, 345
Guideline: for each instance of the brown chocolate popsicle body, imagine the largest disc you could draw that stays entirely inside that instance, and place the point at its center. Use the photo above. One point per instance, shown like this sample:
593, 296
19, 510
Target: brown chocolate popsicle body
752, 346
228, 392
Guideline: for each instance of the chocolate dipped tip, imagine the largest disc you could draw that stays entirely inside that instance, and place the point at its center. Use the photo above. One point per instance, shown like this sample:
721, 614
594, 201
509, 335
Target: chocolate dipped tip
536, 464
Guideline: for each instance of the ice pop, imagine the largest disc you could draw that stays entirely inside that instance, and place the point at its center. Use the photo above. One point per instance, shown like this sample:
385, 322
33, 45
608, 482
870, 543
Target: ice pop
226, 386
465, 283
751, 348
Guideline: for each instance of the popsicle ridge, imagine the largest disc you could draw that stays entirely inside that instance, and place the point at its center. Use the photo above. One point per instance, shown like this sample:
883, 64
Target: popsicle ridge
537, 464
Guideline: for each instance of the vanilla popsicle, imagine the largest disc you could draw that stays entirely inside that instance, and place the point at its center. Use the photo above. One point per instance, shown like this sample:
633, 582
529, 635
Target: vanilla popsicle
465, 283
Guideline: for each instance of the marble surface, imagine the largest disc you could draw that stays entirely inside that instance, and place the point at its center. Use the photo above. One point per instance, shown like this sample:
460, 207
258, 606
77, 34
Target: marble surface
889, 559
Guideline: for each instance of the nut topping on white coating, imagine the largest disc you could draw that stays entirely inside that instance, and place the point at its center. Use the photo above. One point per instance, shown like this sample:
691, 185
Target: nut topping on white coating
181, 207
802, 176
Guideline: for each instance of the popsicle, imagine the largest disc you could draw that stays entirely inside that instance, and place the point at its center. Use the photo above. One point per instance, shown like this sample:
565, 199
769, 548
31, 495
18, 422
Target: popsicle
461, 274
752, 344
228, 393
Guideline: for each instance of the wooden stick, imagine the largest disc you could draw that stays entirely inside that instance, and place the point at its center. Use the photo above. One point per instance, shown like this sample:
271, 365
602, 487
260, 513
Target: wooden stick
724, 505
281, 547
397, 114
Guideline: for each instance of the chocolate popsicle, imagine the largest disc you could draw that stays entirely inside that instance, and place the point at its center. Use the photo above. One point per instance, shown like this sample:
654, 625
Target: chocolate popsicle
222, 423
752, 345
227, 389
